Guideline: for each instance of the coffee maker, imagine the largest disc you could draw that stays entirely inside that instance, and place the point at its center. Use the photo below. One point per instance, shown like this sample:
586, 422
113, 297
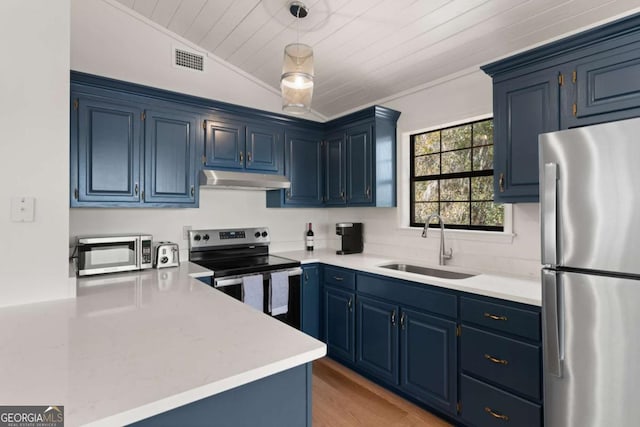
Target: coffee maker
351, 237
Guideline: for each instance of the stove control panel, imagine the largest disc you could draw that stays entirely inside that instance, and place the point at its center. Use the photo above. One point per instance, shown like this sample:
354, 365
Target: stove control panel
230, 236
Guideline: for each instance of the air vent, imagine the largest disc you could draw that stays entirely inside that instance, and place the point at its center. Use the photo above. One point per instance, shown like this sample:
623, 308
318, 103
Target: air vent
189, 60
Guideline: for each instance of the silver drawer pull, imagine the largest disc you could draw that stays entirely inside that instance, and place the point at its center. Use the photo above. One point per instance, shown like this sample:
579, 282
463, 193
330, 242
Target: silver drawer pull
495, 316
495, 414
338, 279
496, 360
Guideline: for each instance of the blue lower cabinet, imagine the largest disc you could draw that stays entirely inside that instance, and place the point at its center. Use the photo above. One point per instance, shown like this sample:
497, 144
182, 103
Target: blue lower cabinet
486, 406
311, 301
339, 319
282, 399
377, 338
170, 147
429, 359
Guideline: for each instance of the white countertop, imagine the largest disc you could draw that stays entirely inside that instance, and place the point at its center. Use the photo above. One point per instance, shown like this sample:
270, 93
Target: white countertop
132, 345
512, 288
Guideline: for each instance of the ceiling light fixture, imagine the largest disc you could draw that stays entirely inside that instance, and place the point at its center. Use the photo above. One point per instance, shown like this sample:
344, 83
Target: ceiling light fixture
296, 82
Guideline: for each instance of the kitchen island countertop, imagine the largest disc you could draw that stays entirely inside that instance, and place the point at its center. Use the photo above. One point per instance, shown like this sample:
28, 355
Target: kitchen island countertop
511, 288
133, 345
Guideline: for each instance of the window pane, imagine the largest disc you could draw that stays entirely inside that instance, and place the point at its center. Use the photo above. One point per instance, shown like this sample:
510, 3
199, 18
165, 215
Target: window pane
483, 158
454, 189
483, 133
482, 188
456, 161
487, 213
428, 165
426, 191
457, 137
423, 210
455, 213
427, 143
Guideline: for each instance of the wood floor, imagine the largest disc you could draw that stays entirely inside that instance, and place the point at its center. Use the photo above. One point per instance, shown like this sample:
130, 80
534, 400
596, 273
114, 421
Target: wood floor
342, 398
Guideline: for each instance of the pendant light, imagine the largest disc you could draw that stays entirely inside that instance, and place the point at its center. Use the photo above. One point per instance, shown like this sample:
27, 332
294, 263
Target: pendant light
296, 82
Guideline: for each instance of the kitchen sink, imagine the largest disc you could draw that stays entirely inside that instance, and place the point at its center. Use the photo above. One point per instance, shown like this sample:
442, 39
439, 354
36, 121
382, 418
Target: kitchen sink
426, 271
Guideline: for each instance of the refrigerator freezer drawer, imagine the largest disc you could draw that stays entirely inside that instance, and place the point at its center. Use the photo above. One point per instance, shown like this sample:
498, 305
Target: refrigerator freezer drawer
503, 318
487, 406
504, 361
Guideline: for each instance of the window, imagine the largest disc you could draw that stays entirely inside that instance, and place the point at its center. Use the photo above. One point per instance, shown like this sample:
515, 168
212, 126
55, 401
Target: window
452, 175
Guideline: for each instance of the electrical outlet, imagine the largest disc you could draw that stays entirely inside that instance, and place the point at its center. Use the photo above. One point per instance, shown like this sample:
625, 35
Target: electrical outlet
185, 232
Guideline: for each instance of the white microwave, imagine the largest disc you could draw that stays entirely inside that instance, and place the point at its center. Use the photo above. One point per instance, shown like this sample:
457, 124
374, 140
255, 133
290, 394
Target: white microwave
113, 253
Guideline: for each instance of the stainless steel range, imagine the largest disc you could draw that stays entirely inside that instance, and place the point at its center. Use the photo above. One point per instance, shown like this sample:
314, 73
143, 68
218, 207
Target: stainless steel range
243, 269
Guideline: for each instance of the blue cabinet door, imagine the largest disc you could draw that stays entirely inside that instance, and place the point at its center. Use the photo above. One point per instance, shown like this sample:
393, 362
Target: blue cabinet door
429, 359
360, 165
377, 338
607, 87
303, 166
170, 144
335, 169
224, 144
264, 148
523, 108
311, 300
339, 323
105, 146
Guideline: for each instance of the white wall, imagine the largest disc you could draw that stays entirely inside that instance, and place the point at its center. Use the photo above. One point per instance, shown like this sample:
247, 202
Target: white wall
386, 230
34, 149
111, 40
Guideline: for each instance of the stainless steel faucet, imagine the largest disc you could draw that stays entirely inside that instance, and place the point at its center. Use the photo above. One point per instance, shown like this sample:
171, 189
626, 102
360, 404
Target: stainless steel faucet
443, 255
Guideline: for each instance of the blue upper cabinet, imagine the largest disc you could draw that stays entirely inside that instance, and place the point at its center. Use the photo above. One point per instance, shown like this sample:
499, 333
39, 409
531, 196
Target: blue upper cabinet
170, 148
523, 108
303, 167
235, 144
105, 151
224, 144
264, 148
335, 170
584, 79
360, 165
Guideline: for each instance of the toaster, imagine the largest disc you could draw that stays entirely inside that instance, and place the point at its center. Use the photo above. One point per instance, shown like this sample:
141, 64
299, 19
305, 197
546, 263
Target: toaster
166, 254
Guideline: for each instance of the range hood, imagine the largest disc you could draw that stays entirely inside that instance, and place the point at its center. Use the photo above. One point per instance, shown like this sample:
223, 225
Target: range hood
242, 180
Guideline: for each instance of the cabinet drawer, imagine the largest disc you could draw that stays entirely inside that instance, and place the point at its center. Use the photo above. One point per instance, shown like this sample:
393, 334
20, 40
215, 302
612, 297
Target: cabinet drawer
408, 294
487, 406
505, 318
340, 277
505, 361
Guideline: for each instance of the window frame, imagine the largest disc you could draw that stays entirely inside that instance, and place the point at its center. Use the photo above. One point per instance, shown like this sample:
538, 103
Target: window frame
466, 174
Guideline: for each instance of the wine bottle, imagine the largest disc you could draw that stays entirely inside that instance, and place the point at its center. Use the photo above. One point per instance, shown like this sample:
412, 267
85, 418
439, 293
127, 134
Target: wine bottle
309, 238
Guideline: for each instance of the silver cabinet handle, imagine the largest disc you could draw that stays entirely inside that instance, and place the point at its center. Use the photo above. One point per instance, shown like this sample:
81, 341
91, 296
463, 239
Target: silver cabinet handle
393, 318
501, 182
403, 323
368, 192
193, 191
306, 276
350, 304
249, 156
136, 189
342, 195
338, 278
241, 157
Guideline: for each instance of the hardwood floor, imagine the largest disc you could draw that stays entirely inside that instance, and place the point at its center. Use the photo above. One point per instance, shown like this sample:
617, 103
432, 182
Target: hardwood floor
342, 398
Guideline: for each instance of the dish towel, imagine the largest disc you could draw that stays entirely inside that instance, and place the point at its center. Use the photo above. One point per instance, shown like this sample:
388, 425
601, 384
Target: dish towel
252, 291
279, 301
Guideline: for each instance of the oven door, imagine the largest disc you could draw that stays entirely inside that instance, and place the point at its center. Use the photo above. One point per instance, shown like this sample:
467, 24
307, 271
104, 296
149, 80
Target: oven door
232, 286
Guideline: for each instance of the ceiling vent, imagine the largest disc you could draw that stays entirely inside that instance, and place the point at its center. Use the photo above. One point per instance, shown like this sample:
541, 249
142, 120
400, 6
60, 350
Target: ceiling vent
190, 60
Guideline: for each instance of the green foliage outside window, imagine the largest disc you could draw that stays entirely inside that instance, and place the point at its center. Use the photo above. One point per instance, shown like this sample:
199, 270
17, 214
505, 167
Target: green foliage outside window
452, 175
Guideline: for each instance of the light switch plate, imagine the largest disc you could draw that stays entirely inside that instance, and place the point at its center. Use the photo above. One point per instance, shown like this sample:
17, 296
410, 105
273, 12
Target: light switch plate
23, 209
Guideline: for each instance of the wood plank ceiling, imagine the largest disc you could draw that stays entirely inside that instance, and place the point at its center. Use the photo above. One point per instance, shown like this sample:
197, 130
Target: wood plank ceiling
368, 50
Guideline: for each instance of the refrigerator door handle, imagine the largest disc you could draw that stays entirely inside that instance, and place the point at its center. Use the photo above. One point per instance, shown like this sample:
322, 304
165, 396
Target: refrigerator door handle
549, 211
552, 307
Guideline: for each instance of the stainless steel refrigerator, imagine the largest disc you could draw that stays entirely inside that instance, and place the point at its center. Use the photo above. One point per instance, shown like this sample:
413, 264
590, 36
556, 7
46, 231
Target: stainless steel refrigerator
590, 215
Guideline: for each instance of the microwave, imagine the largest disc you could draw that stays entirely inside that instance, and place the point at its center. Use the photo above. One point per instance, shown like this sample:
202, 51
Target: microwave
113, 253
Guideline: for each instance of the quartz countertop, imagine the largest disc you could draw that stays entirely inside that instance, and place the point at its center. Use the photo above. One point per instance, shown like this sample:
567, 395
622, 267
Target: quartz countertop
512, 288
132, 345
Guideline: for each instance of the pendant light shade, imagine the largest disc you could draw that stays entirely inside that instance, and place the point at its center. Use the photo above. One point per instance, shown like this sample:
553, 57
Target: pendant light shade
296, 81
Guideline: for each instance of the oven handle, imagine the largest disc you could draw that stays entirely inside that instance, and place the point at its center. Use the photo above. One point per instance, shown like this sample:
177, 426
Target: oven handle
237, 280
